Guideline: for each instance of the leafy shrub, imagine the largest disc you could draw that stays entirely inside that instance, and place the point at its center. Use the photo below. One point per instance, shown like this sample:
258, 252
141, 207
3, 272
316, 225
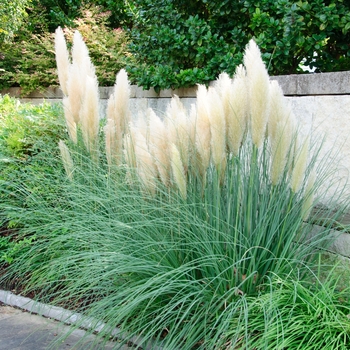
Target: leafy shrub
194, 41
28, 134
27, 130
58, 13
12, 14
29, 61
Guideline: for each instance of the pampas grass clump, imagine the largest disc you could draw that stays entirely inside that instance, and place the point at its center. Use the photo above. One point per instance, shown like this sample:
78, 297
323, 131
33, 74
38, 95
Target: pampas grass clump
190, 232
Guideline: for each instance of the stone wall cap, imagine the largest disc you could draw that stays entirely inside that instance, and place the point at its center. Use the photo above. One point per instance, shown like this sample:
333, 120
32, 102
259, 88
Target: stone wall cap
335, 83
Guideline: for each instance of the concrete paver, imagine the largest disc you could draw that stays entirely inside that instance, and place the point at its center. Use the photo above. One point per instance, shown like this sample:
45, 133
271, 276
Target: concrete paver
21, 330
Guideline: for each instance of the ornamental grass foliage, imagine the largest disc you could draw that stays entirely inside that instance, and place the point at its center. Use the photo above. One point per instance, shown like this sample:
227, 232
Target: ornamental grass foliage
188, 230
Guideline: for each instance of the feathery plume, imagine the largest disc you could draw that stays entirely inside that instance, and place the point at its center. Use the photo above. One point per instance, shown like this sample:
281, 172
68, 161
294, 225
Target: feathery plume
89, 116
280, 147
195, 158
159, 146
300, 164
281, 131
118, 103
259, 85
70, 122
178, 171
62, 59
279, 109
66, 159
223, 86
309, 196
118, 116
192, 120
129, 151
177, 126
237, 110
76, 90
203, 136
80, 56
113, 144
146, 167
217, 127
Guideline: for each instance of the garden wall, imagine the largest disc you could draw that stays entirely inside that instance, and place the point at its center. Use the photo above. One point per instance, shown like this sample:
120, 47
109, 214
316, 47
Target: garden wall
321, 102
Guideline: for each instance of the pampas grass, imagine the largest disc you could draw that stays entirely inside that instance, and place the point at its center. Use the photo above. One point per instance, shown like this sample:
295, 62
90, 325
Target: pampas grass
195, 241
281, 148
259, 92
70, 120
203, 135
237, 111
113, 143
76, 90
62, 59
159, 147
80, 56
118, 104
178, 171
300, 165
146, 167
66, 159
89, 116
177, 126
217, 128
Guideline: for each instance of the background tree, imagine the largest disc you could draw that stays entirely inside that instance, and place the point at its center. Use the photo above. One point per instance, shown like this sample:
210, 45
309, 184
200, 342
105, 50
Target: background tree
29, 60
176, 43
12, 13
186, 42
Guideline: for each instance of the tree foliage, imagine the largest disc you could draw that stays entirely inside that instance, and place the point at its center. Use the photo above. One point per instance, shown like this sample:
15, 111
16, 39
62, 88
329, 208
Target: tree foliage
12, 13
186, 42
29, 61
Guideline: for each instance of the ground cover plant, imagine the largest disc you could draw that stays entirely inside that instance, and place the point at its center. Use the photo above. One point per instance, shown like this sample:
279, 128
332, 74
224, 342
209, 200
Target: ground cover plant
28, 153
189, 231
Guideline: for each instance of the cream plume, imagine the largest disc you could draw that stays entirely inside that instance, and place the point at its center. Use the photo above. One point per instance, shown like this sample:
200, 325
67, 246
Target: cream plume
62, 59
129, 151
203, 136
76, 90
177, 126
178, 171
300, 164
113, 144
217, 127
146, 167
66, 159
89, 116
80, 56
237, 110
279, 109
118, 103
258, 92
281, 146
192, 126
118, 118
281, 130
309, 196
70, 122
159, 146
